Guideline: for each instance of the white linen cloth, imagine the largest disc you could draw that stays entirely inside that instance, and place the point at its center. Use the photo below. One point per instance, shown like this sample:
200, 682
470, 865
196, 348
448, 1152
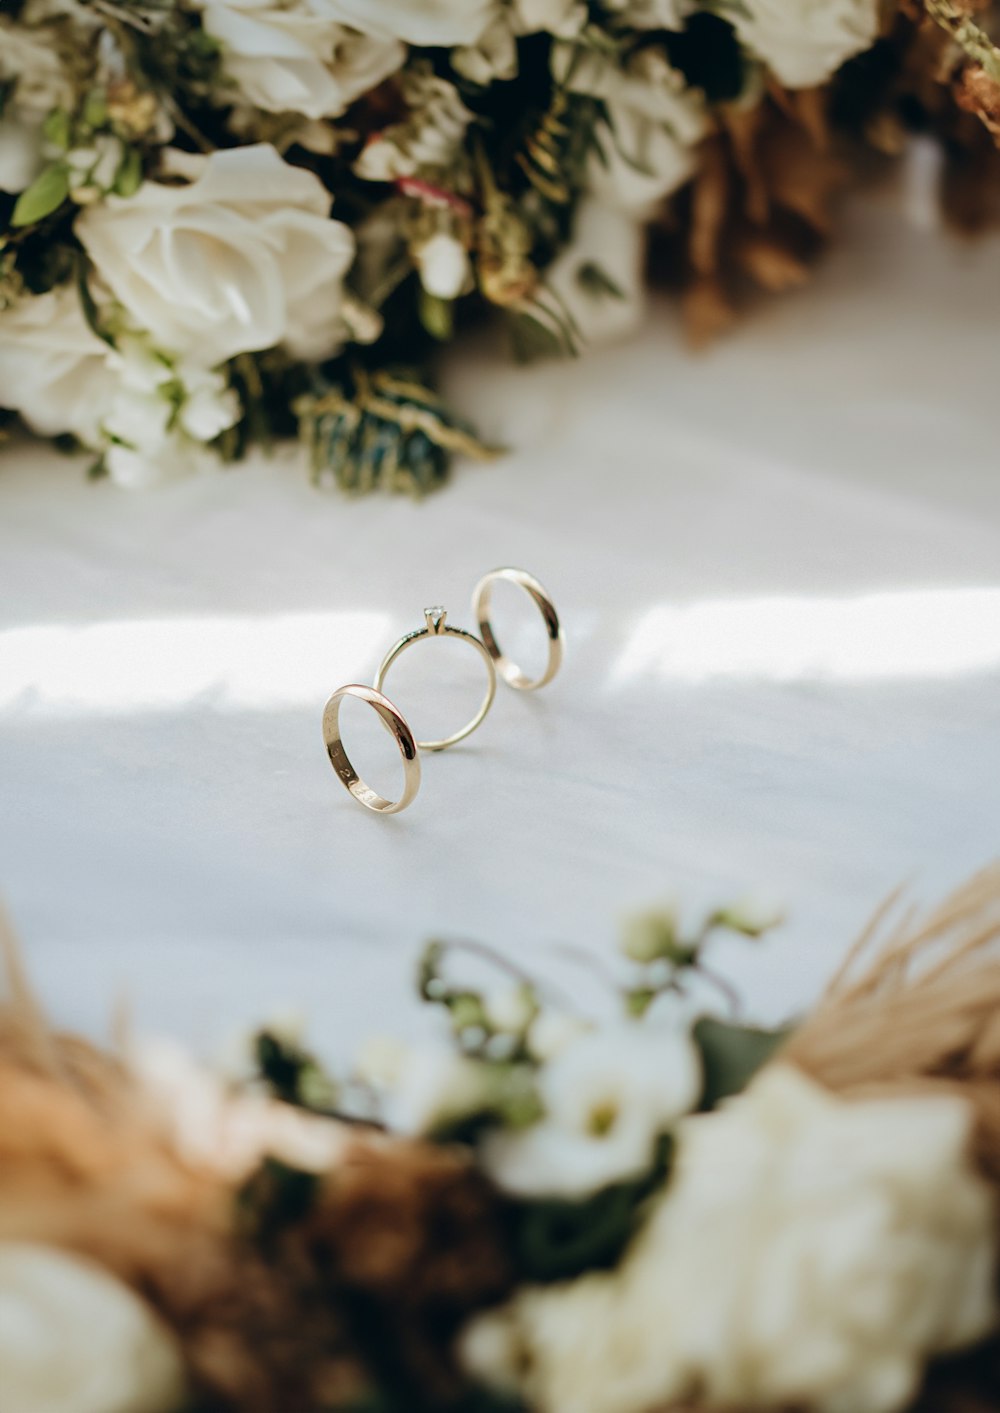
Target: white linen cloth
778, 565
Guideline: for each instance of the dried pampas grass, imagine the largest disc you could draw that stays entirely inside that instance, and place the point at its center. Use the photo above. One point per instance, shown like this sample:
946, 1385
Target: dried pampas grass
917, 1005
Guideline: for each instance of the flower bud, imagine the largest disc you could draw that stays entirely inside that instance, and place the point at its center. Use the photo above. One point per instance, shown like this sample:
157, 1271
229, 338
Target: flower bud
443, 264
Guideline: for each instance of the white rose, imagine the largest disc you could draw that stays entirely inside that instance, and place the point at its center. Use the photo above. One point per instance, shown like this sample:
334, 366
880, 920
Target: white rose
426, 22
296, 57
654, 121
607, 1097
73, 1339
803, 42
808, 1251
608, 244
53, 368
243, 257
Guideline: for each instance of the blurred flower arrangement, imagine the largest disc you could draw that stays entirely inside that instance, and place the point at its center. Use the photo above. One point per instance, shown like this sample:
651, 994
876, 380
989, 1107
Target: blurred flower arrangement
651, 1210
174, 286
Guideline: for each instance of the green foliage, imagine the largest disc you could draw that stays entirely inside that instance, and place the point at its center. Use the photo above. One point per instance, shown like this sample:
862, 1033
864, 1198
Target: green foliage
44, 196
666, 958
292, 1073
382, 429
556, 1240
731, 1055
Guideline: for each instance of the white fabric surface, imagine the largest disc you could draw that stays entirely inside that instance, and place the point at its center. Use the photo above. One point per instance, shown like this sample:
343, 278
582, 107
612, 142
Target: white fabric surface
779, 570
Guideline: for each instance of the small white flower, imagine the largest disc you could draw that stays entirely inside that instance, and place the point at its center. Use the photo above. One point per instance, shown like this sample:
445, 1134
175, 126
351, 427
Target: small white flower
443, 265
295, 57
436, 1087
599, 276
494, 55
432, 136
510, 1008
646, 934
607, 1098
243, 257
93, 169
552, 1032
804, 42
808, 1251
654, 121
160, 413
73, 1339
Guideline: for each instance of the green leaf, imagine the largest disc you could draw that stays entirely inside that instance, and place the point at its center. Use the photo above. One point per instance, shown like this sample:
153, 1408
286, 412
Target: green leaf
128, 178
56, 128
45, 194
731, 1055
595, 281
95, 109
556, 1240
437, 316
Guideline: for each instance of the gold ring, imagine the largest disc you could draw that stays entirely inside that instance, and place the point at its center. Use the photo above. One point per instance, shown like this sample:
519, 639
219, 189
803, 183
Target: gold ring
437, 627
395, 723
509, 671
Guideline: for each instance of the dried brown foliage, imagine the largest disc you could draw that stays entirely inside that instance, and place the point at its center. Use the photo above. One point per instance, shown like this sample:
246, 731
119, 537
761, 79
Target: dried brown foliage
397, 1242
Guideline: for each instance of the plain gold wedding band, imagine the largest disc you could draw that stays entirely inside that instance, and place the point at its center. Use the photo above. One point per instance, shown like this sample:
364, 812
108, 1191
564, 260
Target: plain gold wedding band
436, 626
509, 671
395, 723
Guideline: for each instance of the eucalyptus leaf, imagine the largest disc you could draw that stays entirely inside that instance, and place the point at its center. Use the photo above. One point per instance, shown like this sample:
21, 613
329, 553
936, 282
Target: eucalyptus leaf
45, 194
731, 1055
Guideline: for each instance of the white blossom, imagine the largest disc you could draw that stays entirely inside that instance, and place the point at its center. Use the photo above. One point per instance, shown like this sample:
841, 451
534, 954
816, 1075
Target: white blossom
295, 57
148, 414
809, 1251
435, 1087
73, 1339
443, 265
803, 42
607, 1098
159, 415
432, 135
653, 122
552, 1031
242, 257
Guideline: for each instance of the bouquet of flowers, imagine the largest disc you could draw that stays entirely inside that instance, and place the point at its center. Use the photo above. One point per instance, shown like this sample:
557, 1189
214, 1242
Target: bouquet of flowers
225, 220
650, 1207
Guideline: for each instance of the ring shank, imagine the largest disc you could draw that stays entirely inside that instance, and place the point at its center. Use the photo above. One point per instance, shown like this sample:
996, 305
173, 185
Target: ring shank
513, 675
444, 632
395, 723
